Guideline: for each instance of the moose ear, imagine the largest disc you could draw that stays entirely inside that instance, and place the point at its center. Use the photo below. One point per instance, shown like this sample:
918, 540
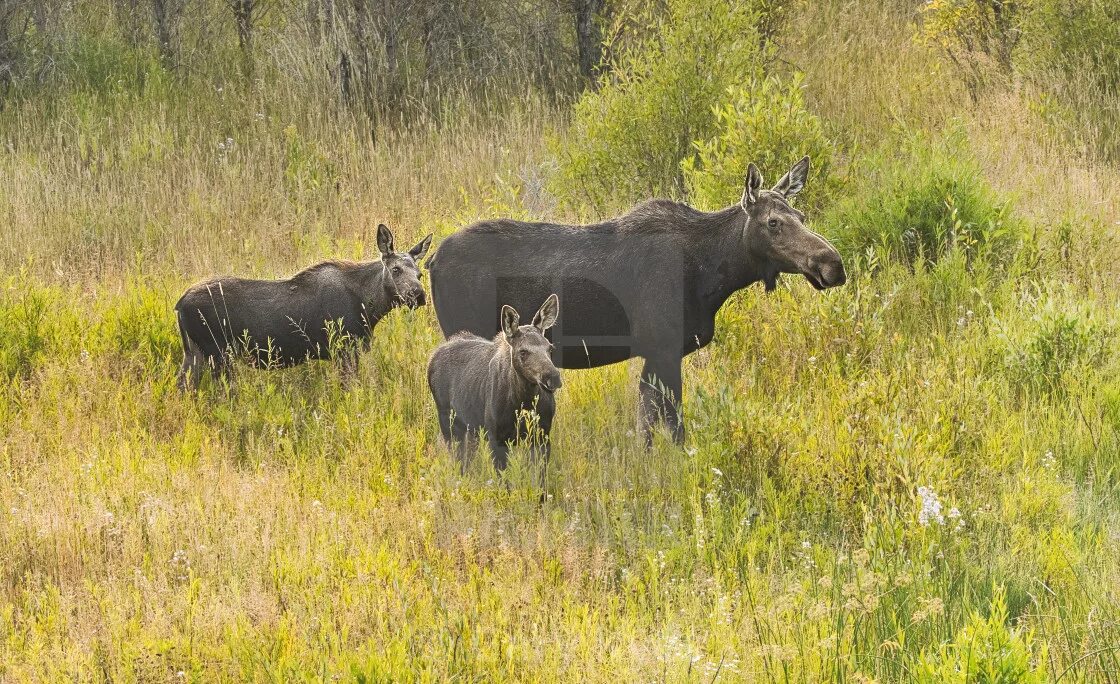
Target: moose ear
754, 185
794, 180
384, 239
417, 253
510, 319
546, 316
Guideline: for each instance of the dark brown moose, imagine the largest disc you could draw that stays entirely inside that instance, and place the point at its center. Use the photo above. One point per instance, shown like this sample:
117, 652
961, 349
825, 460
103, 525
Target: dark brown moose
646, 284
504, 385
327, 310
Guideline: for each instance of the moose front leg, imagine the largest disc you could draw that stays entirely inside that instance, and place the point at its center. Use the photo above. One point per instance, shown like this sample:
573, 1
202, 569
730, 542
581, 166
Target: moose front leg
659, 394
499, 450
348, 365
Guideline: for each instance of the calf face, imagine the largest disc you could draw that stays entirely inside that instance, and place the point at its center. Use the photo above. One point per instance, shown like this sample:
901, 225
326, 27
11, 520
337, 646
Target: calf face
402, 286
530, 351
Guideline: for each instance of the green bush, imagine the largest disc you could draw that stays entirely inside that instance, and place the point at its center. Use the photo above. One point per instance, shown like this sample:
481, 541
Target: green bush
1067, 51
766, 123
917, 204
1071, 54
627, 139
986, 650
1059, 341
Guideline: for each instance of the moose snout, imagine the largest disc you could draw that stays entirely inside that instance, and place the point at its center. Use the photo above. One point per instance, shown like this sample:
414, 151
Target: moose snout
420, 297
826, 270
550, 381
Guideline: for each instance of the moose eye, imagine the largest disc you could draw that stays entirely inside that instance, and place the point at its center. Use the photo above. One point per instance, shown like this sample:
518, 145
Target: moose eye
773, 223
524, 353
551, 348
396, 270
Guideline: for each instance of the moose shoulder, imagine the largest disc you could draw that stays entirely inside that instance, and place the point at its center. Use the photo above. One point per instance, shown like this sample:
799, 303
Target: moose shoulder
325, 310
647, 284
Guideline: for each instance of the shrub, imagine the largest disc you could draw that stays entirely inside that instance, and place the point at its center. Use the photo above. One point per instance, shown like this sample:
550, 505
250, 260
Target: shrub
765, 123
1068, 51
919, 203
1071, 55
1044, 352
627, 140
978, 36
986, 649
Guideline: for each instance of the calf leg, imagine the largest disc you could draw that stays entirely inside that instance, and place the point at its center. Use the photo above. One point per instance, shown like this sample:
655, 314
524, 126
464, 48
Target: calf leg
659, 394
445, 424
467, 439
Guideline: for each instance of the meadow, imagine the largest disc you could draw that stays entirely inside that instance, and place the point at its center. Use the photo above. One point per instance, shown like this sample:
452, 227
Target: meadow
913, 477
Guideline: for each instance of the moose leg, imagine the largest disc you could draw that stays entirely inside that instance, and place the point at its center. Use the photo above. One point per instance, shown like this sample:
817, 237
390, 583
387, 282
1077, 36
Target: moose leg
219, 366
190, 372
445, 424
466, 439
348, 366
499, 449
659, 394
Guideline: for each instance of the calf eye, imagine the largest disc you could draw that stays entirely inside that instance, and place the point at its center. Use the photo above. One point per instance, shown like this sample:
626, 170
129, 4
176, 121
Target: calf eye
524, 353
773, 223
396, 270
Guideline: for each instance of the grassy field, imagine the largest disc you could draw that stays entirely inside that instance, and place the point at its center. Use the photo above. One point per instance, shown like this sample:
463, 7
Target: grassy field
913, 477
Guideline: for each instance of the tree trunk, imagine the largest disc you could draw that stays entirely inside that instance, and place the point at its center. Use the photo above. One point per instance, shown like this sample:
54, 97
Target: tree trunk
589, 40
161, 14
243, 11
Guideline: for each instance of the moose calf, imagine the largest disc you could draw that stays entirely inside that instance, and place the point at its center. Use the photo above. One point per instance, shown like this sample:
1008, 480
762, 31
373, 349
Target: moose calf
496, 384
328, 308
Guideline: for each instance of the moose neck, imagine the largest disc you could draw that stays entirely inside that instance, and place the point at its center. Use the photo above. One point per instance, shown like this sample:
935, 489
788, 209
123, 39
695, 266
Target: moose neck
378, 302
731, 265
503, 370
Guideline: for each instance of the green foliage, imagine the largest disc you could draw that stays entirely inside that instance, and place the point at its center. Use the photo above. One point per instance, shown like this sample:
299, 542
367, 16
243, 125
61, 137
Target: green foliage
978, 36
1057, 342
628, 139
918, 203
25, 333
1067, 50
1071, 55
987, 651
306, 168
765, 122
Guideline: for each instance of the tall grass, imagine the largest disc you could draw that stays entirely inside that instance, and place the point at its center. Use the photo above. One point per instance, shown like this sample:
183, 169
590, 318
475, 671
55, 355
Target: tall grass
910, 478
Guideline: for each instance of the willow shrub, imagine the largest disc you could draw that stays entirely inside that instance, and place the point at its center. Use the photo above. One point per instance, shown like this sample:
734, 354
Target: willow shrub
627, 140
916, 203
767, 123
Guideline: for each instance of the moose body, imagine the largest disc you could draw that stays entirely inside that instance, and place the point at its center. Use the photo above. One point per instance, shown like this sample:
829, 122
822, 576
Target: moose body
498, 384
326, 310
647, 284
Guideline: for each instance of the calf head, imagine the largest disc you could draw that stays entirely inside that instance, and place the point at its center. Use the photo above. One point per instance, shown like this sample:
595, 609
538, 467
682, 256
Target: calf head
776, 234
530, 351
402, 269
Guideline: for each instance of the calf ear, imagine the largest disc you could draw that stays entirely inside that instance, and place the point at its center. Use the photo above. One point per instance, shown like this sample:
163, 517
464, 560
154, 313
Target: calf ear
384, 239
417, 253
754, 185
510, 319
794, 180
546, 316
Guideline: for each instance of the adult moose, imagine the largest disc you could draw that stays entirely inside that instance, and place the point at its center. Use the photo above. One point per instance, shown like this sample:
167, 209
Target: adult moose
327, 308
646, 284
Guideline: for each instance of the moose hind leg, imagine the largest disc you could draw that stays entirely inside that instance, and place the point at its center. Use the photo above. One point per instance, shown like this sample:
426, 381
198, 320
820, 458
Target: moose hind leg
659, 393
190, 372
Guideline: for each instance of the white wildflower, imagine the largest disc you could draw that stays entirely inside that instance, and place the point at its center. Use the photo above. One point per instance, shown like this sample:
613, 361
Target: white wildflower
931, 507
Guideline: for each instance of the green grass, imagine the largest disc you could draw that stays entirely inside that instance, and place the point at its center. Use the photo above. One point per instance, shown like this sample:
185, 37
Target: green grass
286, 529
